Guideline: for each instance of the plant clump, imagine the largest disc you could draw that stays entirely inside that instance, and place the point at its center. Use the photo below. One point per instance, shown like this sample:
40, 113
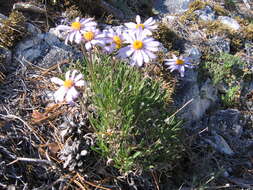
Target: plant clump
12, 29
130, 117
227, 70
128, 107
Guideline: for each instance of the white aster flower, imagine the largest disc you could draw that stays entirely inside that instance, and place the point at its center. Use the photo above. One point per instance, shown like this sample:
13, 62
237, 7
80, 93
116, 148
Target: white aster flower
113, 40
67, 90
178, 63
148, 26
93, 37
77, 27
140, 48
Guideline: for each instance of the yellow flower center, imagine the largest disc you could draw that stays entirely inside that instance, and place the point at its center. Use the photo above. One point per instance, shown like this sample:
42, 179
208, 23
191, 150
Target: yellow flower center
137, 44
76, 25
68, 83
179, 62
117, 41
88, 36
140, 25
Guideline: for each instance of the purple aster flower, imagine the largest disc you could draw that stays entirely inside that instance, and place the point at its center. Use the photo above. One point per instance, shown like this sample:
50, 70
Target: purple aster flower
178, 63
141, 48
77, 27
148, 26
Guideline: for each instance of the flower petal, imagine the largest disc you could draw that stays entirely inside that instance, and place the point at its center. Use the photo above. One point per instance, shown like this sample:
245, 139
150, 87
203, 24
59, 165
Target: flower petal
71, 36
153, 44
67, 75
174, 57
60, 94
80, 83
73, 75
150, 54
78, 37
181, 70
88, 46
125, 52
147, 22
138, 58
78, 77
71, 94
145, 56
130, 25
138, 19
57, 81
63, 27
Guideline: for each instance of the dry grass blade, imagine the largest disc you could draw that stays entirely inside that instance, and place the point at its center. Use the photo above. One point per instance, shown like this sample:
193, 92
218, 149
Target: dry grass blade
90, 183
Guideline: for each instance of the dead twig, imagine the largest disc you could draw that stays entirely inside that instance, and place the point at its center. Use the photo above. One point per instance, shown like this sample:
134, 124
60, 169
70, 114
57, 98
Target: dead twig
90, 183
8, 153
155, 179
179, 109
40, 161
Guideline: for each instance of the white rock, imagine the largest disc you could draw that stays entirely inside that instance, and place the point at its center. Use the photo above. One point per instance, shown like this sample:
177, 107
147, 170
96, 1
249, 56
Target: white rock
230, 22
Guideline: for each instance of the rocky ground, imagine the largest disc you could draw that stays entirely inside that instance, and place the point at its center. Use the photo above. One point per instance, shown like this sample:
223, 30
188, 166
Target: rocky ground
49, 146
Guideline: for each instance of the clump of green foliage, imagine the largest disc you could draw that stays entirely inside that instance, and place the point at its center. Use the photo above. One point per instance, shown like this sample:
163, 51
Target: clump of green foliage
12, 29
229, 70
232, 96
131, 119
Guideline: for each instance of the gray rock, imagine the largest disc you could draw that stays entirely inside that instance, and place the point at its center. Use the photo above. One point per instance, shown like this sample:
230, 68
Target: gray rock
55, 32
230, 22
203, 97
249, 48
247, 93
206, 14
6, 56
249, 51
224, 120
55, 55
171, 6
229, 131
32, 30
194, 53
169, 19
44, 50
219, 44
225, 174
220, 144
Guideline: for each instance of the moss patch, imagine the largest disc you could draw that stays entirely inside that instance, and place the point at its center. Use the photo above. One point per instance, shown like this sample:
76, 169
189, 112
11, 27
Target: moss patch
190, 16
12, 29
169, 38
